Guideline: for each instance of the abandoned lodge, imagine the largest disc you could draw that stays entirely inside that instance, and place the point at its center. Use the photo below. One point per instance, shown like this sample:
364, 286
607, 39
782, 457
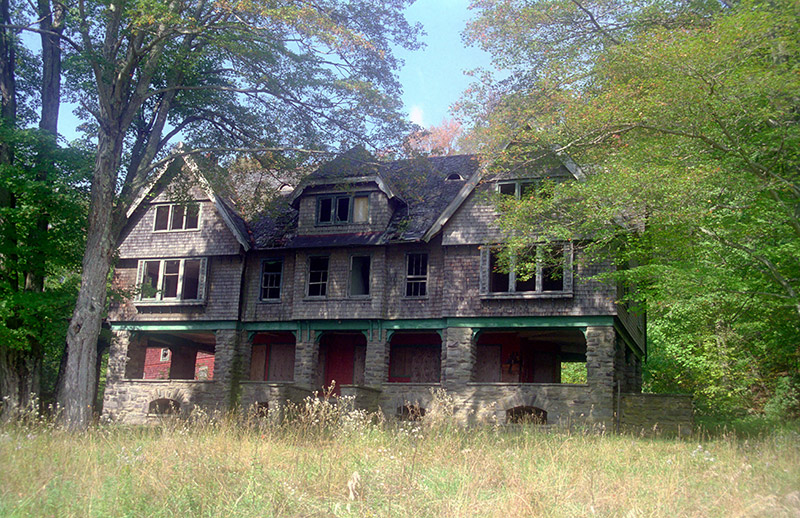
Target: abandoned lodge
377, 277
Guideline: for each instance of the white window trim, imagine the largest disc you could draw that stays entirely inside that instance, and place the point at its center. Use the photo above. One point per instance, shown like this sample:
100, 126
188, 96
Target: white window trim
159, 300
417, 278
539, 293
169, 217
261, 281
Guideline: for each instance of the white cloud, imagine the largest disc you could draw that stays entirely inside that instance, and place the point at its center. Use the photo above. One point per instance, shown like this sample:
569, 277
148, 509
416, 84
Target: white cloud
415, 116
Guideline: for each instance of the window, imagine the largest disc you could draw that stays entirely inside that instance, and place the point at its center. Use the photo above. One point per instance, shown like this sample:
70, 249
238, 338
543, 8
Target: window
359, 275
518, 189
546, 271
341, 209
271, 275
177, 217
172, 280
165, 354
318, 276
416, 275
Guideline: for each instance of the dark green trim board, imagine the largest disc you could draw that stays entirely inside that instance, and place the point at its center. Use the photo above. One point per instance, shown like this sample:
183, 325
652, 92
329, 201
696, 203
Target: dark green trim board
371, 325
210, 325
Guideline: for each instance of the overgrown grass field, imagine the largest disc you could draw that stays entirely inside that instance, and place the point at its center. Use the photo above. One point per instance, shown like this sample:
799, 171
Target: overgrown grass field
332, 462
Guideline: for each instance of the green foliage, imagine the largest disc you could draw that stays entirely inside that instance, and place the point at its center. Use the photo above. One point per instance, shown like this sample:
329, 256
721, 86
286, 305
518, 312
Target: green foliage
685, 115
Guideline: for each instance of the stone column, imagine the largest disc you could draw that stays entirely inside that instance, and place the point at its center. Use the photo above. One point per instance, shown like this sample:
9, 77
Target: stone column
305, 360
227, 366
376, 369
600, 355
458, 359
121, 366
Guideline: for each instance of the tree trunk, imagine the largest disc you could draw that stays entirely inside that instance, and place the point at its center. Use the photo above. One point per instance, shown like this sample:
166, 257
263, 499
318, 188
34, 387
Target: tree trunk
87, 318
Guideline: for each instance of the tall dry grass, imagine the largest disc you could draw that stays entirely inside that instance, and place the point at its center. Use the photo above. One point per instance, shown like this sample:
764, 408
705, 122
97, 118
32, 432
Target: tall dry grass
333, 460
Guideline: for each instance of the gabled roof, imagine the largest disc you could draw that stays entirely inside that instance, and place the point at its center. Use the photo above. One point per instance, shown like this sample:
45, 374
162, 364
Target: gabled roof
353, 167
232, 219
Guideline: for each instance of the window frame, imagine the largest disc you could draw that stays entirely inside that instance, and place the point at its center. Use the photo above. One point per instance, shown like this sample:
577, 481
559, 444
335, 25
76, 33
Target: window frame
324, 283
518, 185
417, 278
486, 253
170, 212
159, 299
350, 277
335, 219
279, 298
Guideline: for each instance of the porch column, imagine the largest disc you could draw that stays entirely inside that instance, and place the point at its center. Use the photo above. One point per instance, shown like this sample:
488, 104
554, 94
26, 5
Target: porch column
121, 366
600, 355
228, 366
305, 359
458, 357
376, 368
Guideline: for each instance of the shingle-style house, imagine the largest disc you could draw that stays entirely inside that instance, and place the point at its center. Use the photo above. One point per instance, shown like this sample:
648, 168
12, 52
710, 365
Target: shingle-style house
380, 276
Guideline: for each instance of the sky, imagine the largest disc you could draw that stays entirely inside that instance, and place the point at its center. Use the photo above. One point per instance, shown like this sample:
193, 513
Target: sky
433, 78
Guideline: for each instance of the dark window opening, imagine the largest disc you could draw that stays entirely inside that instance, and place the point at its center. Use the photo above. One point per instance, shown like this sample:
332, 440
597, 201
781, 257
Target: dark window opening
508, 189
271, 274
342, 210
318, 276
191, 279
454, 176
359, 275
325, 210
543, 269
416, 275
552, 269
177, 217
172, 280
410, 412
164, 406
526, 415
172, 270
499, 280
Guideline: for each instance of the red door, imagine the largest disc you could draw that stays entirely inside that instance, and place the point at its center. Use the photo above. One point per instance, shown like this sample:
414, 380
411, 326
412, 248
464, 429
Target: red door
339, 363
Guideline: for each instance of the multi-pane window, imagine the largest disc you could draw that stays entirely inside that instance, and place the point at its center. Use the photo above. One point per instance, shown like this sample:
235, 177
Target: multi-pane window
359, 275
171, 280
416, 275
318, 276
519, 188
341, 209
546, 269
177, 217
271, 275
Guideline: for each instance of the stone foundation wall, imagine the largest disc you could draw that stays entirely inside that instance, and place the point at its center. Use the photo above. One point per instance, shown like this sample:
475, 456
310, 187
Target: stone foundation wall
128, 401
670, 414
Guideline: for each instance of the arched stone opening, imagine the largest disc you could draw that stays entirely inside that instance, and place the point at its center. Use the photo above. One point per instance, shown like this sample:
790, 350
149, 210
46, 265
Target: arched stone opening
164, 406
526, 415
410, 412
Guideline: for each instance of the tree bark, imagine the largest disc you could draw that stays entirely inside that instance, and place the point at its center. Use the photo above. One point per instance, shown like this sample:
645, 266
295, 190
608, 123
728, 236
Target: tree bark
84, 329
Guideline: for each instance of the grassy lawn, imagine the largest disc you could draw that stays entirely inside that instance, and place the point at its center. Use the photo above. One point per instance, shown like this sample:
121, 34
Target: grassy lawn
340, 464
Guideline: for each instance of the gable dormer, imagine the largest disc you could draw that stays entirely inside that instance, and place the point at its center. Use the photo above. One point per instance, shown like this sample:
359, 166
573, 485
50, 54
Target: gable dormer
348, 195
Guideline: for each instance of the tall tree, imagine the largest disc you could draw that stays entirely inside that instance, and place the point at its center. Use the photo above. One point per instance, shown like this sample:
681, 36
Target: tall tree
686, 114
277, 76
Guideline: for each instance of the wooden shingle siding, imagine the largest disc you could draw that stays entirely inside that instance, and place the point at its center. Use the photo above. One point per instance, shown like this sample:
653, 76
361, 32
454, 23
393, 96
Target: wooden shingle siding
474, 223
255, 309
139, 241
223, 282
397, 304
461, 297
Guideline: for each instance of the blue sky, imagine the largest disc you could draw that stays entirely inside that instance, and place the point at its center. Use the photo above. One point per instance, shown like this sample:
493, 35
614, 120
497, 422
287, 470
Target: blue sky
433, 78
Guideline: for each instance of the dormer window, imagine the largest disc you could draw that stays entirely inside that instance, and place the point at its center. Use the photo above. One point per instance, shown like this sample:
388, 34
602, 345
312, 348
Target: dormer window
342, 209
175, 216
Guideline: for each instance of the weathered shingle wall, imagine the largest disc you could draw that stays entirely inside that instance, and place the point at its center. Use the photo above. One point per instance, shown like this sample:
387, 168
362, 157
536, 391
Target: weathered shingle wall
269, 311
223, 282
397, 304
138, 240
379, 213
462, 291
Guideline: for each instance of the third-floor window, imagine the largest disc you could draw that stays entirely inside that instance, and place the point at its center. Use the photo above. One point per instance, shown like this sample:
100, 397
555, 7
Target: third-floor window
341, 209
175, 216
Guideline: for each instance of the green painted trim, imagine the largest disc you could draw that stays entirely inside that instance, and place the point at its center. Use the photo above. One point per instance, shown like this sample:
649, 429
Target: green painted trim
421, 323
211, 325
270, 326
628, 339
505, 322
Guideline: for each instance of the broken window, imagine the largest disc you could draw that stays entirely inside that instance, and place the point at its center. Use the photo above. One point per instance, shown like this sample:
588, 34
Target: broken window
170, 280
177, 217
271, 274
416, 275
546, 269
359, 275
318, 276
